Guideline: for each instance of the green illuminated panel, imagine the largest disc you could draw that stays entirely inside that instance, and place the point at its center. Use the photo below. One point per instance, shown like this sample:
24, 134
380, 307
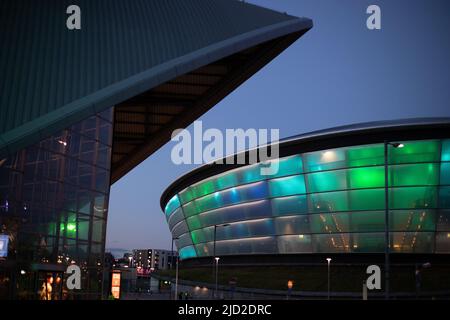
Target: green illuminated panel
287, 186
412, 220
370, 177
415, 174
358, 200
361, 156
194, 223
327, 181
226, 181
415, 151
366, 199
413, 197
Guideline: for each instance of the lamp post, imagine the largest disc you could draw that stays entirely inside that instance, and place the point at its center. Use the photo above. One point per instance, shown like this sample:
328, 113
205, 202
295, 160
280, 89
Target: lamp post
214, 250
217, 273
328, 262
176, 272
386, 214
176, 280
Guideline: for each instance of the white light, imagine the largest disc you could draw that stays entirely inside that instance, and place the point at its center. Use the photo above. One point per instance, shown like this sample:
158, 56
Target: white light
64, 143
22, 272
401, 145
217, 259
328, 259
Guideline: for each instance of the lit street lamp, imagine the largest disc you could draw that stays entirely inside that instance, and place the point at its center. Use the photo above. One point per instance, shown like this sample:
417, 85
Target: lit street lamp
328, 261
386, 213
217, 272
214, 251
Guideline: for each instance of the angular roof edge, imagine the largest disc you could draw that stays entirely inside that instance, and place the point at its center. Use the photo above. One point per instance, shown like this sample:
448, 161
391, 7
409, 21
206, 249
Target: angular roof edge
42, 127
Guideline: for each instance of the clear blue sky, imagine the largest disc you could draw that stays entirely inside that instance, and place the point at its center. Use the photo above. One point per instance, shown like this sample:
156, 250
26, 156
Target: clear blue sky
338, 73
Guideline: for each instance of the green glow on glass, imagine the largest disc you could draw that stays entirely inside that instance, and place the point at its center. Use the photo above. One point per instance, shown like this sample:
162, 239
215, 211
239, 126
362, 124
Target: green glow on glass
415, 151
361, 156
287, 186
287, 166
370, 177
413, 197
415, 174
227, 181
327, 181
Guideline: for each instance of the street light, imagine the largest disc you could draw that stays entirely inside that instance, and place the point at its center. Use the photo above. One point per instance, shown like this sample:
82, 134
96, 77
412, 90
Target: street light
176, 272
217, 272
131, 261
386, 213
214, 249
328, 261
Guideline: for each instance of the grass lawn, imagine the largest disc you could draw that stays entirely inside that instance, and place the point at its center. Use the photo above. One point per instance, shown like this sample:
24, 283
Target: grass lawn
314, 278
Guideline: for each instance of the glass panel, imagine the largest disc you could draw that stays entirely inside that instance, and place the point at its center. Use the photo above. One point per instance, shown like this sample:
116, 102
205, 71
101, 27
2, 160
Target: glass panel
415, 151
412, 220
188, 252
414, 174
173, 203
327, 181
287, 166
252, 210
442, 242
444, 197
227, 197
292, 225
445, 154
329, 243
294, 244
445, 173
371, 177
367, 242
413, 198
416, 242
287, 186
443, 221
290, 205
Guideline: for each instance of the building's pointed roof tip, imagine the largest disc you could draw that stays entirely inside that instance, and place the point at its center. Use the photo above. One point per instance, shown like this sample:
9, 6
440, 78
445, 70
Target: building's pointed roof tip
53, 77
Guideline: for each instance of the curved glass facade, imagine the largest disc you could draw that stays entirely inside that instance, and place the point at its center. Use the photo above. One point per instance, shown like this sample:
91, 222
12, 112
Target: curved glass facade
327, 201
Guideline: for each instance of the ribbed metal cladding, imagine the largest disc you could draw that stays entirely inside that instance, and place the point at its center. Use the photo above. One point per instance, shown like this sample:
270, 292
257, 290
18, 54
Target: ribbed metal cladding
45, 66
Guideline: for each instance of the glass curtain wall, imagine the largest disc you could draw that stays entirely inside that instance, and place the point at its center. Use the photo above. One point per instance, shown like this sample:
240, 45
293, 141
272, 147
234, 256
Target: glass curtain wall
53, 209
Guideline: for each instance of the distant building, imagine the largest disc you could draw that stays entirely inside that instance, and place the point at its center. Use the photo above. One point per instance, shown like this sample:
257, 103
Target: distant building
148, 260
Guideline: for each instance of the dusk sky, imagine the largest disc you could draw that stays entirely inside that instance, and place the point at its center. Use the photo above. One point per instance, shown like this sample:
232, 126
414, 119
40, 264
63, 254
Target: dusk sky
338, 73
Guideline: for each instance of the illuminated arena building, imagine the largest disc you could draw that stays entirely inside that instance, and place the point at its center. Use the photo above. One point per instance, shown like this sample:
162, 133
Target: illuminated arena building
328, 198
